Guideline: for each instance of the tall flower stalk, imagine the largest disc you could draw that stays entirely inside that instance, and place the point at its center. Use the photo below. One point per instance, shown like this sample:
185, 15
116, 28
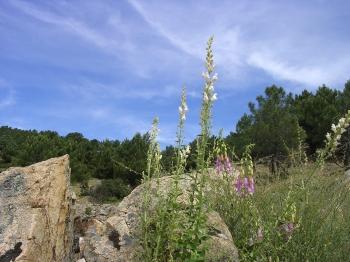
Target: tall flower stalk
196, 231
153, 170
209, 96
333, 138
175, 219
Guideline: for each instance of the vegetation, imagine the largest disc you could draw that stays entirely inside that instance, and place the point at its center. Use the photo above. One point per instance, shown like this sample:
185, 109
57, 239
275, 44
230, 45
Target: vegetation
302, 216
89, 158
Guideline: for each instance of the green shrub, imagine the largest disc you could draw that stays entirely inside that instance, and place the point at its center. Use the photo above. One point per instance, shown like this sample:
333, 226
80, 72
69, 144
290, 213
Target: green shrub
88, 211
111, 190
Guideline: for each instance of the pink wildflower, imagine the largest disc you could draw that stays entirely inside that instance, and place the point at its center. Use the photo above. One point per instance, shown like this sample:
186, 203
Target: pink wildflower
223, 164
287, 229
244, 185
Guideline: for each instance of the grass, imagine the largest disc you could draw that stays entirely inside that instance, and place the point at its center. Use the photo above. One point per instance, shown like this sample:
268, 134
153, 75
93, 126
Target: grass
321, 218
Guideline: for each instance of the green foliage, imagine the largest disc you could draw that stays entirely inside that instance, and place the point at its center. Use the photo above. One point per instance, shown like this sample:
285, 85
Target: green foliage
88, 211
111, 190
88, 158
271, 125
316, 112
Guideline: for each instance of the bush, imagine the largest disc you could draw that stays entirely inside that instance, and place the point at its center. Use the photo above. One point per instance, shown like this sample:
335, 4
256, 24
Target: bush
111, 190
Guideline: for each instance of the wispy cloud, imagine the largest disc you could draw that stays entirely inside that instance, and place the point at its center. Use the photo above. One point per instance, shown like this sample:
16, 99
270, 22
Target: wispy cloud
73, 25
95, 91
244, 33
163, 31
7, 92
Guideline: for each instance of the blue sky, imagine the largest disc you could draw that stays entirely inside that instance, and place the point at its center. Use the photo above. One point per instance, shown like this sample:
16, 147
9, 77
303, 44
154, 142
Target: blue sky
106, 68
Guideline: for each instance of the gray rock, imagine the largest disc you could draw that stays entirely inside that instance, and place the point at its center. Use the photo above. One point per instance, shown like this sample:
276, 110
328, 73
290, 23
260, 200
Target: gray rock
114, 238
35, 212
347, 174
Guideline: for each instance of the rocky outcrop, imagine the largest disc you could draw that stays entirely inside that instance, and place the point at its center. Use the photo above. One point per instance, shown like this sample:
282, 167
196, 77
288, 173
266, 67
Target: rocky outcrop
35, 212
38, 214
112, 235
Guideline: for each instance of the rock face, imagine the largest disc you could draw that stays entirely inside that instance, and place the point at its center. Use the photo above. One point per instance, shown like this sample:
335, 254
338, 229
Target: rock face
347, 174
111, 235
35, 212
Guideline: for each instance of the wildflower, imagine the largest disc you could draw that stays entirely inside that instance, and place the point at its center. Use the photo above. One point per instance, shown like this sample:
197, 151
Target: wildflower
334, 128
260, 235
239, 185
333, 138
214, 97
287, 229
183, 107
206, 76
227, 164
223, 164
245, 185
205, 97
251, 185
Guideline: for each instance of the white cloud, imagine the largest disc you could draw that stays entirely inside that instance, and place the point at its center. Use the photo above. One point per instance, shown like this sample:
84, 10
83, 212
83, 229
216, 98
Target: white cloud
261, 35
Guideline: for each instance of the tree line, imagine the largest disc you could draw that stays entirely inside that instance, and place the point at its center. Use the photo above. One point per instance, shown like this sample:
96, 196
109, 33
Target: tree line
88, 158
277, 123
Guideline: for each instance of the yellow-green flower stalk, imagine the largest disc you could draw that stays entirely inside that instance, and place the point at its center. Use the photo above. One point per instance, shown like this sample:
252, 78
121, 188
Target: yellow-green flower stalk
153, 155
209, 96
333, 138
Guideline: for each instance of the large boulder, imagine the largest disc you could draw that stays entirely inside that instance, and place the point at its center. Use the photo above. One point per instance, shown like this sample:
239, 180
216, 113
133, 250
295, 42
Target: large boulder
35, 212
113, 236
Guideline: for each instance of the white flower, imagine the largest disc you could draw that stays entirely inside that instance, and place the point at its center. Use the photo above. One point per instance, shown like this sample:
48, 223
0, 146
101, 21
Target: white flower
214, 97
328, 136
205, 97
183, 117
215, 77
185, 108
211, 88
334, 128
206, 75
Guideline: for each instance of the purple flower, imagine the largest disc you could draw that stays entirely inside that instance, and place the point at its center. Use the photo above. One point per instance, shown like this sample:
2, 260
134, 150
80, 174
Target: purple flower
251, 185
257, 237
223, 164
244, 185
218, 165
287, 229
227, 165
239, 185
